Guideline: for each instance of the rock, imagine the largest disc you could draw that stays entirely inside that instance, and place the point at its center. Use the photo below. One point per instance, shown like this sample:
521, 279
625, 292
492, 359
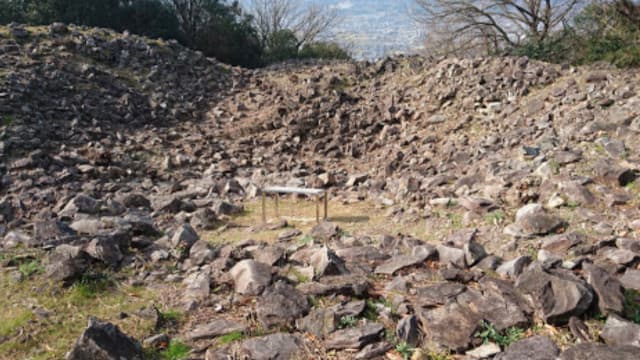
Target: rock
156, 341
485, 351
105, 250
226, 208
280, 305
250, 277
373, 351
399, 262
104, 341
51, 232
326, 262
270, 255
58, 28
279, 346
66, 263
579, 329
354, 338
609, 291
350, 285
15, 238
618, 331
81, 204
204, 219
408, 332
184, 237
473, 252
356, 179
87, 226
325, 231
514, 267
600, 351
611, 172
631, 279
198, 287
452, 256
532, 219
201, 253
451, 326
438, 294
133, 200
533, 348
214, 329
319, 322
556, 295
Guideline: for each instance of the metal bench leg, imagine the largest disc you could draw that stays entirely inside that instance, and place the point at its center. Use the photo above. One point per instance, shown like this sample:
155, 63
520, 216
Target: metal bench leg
264, 208
326, 205
277, 206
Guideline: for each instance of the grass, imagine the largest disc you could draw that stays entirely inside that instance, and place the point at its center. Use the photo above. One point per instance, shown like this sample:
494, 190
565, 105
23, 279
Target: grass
495, 218
503, 338
632, 305
405, 350
175, 351
231, 337
50, 337
7, 120
170, 318
370, 311
89, 286
30, 268
438, 355
347, 322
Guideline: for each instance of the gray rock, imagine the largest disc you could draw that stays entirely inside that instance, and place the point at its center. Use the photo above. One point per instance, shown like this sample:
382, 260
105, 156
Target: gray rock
532, 219
201, 253
556, 295
87, 226
214, 329
618, 331
451, 326
399, 262
204, 219
373, 351
279, 346
133, 200
81, 204
484, 351
612, 172
326, 262
198, 287
357, 179
408, 331
350, 285
319, 322
51, 232
270, 255
325, 231
631, 279
156, 341
354, 338
609, 291
514, 267
105, 250
533, 348
104, 341
600, 351
15, 238
280, 305
473, 252
66, 263
438, 294
452, 256
250, 277
184, 237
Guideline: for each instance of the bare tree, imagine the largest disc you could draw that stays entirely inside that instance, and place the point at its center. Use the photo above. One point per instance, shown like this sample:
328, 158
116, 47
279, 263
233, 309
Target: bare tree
191, 15
306, 22
492, 25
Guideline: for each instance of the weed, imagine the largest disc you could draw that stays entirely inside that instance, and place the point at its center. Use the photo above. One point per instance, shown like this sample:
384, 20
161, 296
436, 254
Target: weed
175, 351
347, 322
632, 305
29, 268
9, 326
231, 337
555, 166
89, 286
504, 338
307, 239
405, 350
572, 204
370, 311
170, 318
7, 120
495, 217
438, 355
455, 220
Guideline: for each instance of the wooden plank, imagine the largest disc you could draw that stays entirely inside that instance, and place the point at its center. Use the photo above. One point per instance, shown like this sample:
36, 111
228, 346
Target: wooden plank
264, 208
292, 190
326, 205
318, 209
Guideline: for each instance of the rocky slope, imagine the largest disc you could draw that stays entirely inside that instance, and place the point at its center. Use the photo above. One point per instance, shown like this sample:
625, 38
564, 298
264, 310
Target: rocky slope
119, 154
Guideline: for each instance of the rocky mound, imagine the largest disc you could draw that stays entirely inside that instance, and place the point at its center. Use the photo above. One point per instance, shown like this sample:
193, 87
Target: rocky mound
120, 153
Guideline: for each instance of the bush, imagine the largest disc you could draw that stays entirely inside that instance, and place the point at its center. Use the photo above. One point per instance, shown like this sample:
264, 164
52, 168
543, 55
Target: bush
323, 50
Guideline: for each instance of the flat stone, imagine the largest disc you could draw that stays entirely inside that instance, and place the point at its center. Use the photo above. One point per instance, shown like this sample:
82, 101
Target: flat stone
399, 262
598, 351
319, 322
279, 346
514, 267
618, 331
451, 256
484, 351
214, 329
350, 285
354, 338
533, 348
373, 351
631, 279
438, 294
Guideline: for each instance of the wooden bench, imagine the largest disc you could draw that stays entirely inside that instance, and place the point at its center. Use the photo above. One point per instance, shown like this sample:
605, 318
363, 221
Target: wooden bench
277, 190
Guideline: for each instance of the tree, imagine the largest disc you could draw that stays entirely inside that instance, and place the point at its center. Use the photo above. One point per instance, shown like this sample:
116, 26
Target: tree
307, 23
492, 26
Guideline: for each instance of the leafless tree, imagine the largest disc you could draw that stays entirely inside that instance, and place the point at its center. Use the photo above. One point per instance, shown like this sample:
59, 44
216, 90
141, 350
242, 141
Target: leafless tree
191, 15
491, 25
307, 22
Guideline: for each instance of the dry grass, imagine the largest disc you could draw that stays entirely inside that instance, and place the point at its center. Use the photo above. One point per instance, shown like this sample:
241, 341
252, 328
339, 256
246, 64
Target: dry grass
360, 218
41, 320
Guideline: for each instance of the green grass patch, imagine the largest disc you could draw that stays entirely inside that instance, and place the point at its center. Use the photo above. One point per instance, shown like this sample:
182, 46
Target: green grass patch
503, 338
307, 239
170, 318
10, 325
30, 268
347, 322
370, 311
231, 337
175, 351
495, 217
632, 305
89, 286
405, 350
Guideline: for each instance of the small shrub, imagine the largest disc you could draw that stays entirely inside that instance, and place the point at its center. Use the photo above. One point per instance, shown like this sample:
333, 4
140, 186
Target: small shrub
504, 338
632, 305
347, 322
29, 268
170, 317
370, 311
405, 350
89, 286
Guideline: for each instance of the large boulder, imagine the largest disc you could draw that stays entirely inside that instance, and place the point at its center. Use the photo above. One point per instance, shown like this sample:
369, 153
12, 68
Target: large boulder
104, 341
618, 331
532, 219
608, 289
280, 305
451, 326
250, 277
555, 294
593, 351
279, 346
354, 338
533, 348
